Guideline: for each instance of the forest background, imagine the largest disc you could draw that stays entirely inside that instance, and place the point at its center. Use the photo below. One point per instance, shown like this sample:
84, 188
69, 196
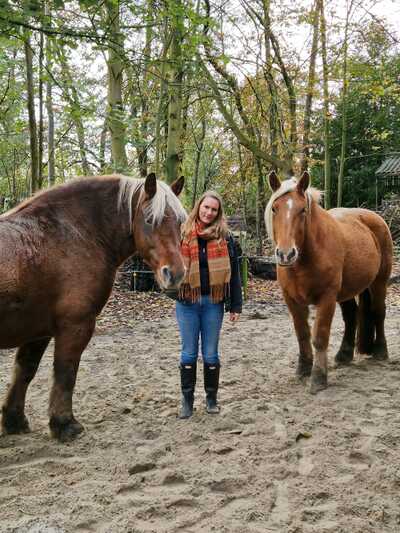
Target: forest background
221, 91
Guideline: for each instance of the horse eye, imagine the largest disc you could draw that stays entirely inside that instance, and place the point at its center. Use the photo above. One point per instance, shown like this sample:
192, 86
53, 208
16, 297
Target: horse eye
148, 221
273, 210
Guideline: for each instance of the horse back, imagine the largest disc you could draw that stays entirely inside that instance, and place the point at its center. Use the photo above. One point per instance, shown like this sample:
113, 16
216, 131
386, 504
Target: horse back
360, 226
368, 248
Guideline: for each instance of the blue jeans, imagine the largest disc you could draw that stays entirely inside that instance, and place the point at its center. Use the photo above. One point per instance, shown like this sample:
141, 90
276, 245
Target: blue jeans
201, 319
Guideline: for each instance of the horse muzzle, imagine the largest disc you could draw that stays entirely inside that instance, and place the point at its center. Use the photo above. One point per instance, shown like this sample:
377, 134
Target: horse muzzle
286, 257
169, 279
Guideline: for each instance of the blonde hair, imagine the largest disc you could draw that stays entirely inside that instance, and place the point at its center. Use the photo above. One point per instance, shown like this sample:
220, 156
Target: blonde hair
219, 227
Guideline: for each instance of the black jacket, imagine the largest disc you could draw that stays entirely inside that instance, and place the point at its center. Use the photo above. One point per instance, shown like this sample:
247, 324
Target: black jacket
233, 302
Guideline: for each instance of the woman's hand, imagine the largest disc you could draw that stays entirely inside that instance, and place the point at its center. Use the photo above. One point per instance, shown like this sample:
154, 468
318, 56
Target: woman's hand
234, 317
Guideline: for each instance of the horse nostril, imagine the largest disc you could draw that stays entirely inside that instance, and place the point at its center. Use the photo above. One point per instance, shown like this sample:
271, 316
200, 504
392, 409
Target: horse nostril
171, 278
291, 254
166, 274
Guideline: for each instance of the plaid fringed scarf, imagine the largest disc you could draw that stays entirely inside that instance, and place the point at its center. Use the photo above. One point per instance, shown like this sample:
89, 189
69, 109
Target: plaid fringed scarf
219, 265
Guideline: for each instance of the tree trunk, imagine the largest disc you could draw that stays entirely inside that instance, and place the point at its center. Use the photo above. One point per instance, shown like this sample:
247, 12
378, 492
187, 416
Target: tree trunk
259, 206
344, 111
41, 105
243, 183
145, 91
310, 91
293, 135
175, 79
31, 112
162, 99
116, 122
327, 158
49, 108
102, 149
200, 146
273, 115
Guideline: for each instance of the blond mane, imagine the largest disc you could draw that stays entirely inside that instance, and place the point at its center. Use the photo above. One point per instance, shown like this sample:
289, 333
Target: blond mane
155, 209
128, 187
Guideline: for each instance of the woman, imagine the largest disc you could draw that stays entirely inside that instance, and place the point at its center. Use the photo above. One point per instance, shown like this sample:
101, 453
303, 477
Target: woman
212, 280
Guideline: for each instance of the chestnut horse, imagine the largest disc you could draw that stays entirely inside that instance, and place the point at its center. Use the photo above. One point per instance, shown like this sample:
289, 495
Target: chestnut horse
59, 253
324, 257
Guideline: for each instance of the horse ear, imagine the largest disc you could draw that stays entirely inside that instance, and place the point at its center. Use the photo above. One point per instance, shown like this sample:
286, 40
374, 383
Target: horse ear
274, 181
150, 186
303, 183
177, 185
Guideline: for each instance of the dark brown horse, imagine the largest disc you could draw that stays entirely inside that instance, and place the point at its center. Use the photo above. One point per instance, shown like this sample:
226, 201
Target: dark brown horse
59, 252
326, 257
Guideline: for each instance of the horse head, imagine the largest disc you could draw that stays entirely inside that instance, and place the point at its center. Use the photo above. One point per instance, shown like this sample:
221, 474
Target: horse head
286, 215
156, 229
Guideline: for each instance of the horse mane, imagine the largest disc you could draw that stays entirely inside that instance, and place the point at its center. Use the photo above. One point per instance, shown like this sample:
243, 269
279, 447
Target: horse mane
155, 209
289, 185
128, 187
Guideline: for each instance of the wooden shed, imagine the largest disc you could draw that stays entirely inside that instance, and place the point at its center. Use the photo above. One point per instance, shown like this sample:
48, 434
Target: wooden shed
387, 177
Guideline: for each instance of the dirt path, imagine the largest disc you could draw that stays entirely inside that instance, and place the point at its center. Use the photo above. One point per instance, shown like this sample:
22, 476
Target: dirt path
276, 458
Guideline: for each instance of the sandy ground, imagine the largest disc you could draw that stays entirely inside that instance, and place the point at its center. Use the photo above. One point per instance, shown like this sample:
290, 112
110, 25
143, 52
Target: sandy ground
275, 460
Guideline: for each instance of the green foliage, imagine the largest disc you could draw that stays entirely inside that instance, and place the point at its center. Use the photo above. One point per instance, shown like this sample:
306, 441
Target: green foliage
373, 123
77, 72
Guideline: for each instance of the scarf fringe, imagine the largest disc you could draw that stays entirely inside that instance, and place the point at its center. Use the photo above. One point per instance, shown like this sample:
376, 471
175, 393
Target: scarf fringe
218, 293
186, 292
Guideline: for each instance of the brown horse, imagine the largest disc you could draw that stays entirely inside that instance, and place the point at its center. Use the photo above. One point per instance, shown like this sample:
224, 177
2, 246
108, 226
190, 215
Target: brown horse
325, 257
59, 252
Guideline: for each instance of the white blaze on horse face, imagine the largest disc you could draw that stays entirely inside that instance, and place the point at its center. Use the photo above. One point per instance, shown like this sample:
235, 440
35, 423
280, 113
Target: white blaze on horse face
290, 206
286, 250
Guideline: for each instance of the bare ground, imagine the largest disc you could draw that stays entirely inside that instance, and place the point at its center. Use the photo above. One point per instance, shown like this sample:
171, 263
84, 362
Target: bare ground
275, 460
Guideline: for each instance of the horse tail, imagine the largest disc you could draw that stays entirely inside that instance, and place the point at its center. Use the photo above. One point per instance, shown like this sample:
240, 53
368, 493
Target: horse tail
365, 324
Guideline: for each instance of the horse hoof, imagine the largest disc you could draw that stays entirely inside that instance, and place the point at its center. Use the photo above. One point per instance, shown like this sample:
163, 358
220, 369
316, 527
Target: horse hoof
14, 423
65, 430
303, 368
343, 358
380, 356
380, 353
303, 372
319, 381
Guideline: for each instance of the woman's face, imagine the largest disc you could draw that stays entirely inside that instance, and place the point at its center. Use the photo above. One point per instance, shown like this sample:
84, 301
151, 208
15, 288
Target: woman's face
208, 210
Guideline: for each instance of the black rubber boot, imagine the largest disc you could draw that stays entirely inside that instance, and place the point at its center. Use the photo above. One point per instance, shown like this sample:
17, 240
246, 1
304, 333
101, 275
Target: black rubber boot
188, 383
211, 382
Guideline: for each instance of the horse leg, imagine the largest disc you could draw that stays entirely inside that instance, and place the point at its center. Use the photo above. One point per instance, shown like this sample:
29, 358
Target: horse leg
346, 351
69, 345
321, 332
378, 308
300, 320
366, 323
27, 361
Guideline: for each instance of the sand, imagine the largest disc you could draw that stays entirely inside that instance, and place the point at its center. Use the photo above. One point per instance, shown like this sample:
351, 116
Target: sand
276, 459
